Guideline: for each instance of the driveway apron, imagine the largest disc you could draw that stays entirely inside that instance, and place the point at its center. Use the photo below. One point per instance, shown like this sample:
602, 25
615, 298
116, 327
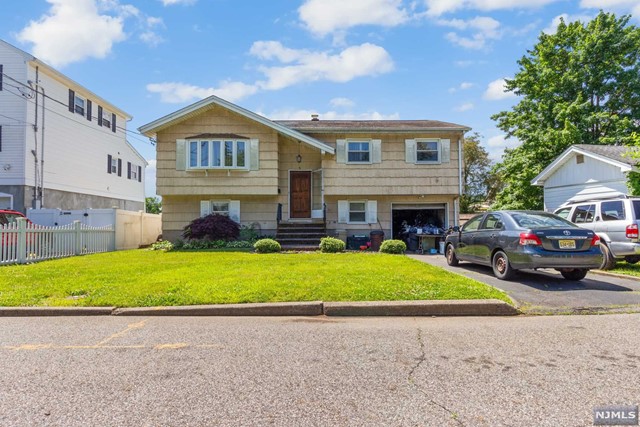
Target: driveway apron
547, 292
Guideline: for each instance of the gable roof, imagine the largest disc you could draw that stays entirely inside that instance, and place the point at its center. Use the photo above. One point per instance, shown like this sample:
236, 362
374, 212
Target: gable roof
319, 126
196, 108
615, 155
57, 75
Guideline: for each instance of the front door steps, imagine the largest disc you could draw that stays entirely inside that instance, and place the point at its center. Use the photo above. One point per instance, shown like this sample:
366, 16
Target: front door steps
300, 236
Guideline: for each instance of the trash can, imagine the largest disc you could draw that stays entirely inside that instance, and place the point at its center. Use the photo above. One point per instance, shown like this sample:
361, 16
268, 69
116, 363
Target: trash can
441, 244
376, 237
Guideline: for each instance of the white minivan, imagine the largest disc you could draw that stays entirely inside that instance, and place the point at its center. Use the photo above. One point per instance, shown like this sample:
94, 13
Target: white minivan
616, 222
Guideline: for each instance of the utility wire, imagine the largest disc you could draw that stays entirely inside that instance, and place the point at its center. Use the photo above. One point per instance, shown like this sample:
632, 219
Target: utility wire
66, 105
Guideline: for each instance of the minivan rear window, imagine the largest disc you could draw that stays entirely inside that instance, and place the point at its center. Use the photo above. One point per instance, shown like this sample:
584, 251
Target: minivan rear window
636, 208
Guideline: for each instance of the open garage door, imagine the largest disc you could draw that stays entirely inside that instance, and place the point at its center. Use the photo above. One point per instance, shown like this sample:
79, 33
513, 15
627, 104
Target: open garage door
406, 218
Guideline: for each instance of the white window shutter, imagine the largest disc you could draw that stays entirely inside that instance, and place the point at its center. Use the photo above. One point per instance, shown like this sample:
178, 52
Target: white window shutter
343, 211
205, 207
254, 155
341, 151
445, 150
181, 154
234, 210
410, 150
376, 151
372, 211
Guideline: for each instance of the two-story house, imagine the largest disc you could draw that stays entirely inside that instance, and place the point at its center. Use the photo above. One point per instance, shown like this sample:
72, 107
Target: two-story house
351, 176
61, 145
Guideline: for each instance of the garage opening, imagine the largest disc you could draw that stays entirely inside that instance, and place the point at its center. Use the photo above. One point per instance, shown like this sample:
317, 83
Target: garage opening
410, 220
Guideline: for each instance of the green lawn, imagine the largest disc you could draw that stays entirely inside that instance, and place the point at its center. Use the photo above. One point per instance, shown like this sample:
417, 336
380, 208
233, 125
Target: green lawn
626, 268
149, 278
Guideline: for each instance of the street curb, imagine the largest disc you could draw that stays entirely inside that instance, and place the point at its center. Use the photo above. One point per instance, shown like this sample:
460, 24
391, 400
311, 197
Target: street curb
55, 311
617, 275
490, 307
313, 308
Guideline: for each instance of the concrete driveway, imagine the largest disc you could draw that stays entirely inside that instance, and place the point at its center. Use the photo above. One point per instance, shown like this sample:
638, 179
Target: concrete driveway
546, 291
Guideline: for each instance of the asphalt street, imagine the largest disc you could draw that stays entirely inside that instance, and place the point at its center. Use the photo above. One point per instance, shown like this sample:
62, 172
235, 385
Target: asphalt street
316, 371
546, 291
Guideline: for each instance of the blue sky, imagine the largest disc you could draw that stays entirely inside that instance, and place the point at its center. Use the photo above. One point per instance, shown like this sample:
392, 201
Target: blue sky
342, 59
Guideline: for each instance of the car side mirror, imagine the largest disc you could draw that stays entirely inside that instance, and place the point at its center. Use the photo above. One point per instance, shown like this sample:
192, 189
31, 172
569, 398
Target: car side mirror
597, 218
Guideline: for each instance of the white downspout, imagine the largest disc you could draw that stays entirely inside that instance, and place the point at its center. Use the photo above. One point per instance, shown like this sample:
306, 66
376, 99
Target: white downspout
456, 202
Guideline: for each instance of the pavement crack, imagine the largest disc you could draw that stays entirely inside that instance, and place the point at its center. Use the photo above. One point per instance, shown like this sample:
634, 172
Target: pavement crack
411, 378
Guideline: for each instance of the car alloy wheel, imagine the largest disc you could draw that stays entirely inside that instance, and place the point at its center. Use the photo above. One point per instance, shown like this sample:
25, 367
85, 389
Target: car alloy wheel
452, 259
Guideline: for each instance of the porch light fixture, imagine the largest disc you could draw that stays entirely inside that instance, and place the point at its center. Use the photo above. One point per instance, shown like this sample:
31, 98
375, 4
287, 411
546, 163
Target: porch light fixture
299, 158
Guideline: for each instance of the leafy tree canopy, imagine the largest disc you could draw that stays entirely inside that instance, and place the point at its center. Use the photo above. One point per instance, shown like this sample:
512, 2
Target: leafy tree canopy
580, 85
153, 205
476, 176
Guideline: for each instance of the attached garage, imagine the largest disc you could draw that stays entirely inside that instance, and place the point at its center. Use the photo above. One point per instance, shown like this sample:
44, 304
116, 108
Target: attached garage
406, 219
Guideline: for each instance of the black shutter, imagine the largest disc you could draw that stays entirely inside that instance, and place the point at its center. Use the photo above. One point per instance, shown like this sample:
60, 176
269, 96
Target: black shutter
0, 138
139, 173
88, 110
72, 101
113, 122
119, 167
128, 170
99, 115
109, 159
0, 76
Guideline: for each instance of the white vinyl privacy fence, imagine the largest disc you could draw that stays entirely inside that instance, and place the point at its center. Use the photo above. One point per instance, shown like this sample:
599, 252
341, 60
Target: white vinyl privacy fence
22, 242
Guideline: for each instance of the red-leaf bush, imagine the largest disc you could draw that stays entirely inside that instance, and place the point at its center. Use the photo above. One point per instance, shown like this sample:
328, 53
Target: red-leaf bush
212, 227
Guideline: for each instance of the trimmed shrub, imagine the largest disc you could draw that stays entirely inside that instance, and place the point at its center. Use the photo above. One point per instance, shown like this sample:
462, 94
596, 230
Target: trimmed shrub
162, 245
331, 245
212, 227
248, 233
266, 246
393, 247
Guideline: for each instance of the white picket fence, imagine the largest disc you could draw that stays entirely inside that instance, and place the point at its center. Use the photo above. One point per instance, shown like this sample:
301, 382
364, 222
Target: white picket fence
22, 242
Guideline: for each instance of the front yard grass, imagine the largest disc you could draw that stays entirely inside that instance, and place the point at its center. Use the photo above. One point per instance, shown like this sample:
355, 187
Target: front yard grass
150, 278
626, 268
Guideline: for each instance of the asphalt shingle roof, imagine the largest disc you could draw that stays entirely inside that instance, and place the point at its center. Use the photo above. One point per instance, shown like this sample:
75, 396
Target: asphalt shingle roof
619, 153
368, 125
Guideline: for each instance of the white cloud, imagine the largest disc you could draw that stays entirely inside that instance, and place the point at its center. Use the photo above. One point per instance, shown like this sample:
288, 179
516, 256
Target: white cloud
464, 107
483, 28
355, 61
60, 36
468, 63
176, 92
553, 26
440, 7
497, 144
461, 86
329, 115
625, 6
172, 2
342, 102
496, 91
323, 17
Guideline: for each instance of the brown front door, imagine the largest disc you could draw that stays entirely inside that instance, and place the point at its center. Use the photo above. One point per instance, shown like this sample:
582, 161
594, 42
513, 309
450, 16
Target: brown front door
300, 196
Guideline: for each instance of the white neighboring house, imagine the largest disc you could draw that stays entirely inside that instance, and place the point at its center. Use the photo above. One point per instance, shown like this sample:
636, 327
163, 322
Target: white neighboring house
584, 172
61, 145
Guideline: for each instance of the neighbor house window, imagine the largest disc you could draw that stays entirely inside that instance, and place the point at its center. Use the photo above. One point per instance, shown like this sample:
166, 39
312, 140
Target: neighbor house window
230, 154
114, 165
358, 152
357, 212
106, 118
427, 151
79, 104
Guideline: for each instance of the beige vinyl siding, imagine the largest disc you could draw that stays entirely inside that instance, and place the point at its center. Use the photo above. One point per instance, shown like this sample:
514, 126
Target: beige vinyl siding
393, 176
384, 204
221, 182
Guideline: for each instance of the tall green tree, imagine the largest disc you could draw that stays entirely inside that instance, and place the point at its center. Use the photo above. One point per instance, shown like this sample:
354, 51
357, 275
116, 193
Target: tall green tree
153, 205
476, 177
580, 85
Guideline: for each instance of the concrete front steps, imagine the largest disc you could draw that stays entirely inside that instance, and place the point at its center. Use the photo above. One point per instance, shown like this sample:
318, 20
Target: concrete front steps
300, 236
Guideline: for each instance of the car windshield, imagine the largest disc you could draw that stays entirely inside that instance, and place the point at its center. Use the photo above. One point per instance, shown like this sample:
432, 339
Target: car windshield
8, 218
540, 220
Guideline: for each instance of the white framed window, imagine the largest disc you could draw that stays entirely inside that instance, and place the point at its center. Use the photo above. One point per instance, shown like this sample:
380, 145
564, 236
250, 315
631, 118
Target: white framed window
230, 208
358, 151
106, 119
358, 212
114, 165
79, 105
222, 154
134, 173
427, 151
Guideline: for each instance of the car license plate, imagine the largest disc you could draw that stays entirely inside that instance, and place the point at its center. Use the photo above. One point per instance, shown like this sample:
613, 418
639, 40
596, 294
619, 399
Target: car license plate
567, 244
